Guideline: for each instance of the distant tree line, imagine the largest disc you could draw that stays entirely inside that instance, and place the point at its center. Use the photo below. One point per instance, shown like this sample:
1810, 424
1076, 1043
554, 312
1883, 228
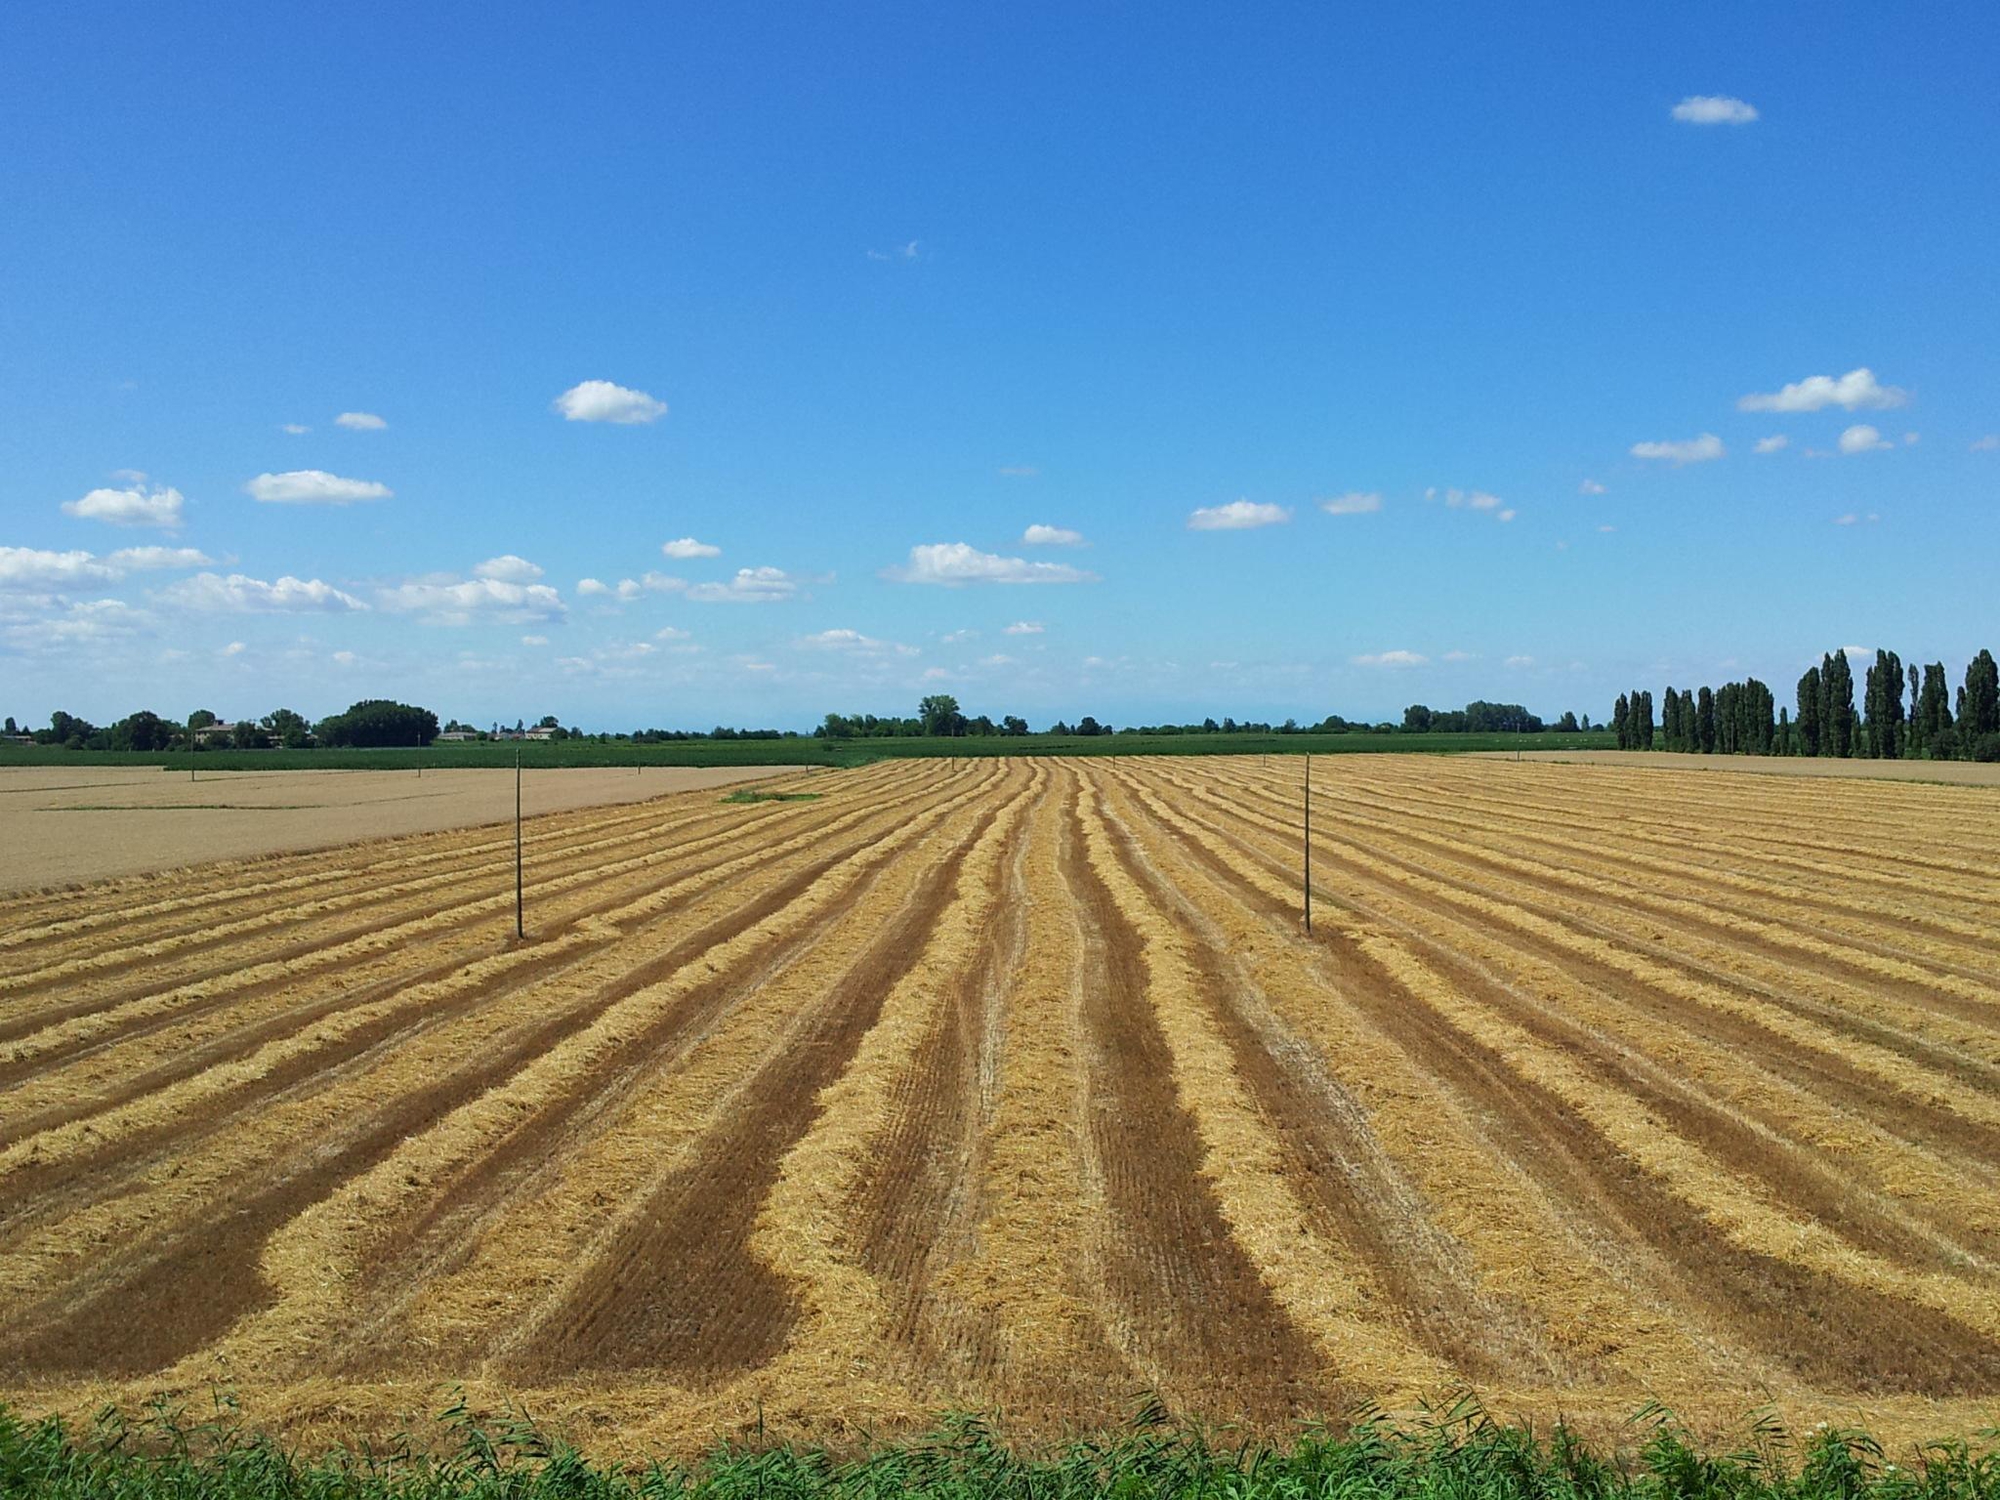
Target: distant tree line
373, 722
1905, 714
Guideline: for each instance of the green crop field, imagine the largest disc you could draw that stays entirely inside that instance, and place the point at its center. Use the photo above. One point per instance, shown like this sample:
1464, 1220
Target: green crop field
805, 750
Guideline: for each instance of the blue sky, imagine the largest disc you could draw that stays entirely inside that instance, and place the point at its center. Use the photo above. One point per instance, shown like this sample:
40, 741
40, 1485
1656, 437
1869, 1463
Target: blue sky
923, 277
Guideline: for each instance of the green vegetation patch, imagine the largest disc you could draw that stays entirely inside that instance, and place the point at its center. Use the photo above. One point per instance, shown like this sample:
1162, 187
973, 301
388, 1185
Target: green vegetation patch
1458, 1455
749, 794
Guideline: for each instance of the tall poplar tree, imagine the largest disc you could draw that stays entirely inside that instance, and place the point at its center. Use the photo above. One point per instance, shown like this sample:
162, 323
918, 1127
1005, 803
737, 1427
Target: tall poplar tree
1934, 714
1840, 721
1979, 704
1621, 721
1812, 698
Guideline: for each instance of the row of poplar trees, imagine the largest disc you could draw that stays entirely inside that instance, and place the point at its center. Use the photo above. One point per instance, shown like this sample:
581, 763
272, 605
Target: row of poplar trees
1742, 718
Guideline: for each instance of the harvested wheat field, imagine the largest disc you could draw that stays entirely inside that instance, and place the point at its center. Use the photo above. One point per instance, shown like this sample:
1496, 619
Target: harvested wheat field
1016, 1086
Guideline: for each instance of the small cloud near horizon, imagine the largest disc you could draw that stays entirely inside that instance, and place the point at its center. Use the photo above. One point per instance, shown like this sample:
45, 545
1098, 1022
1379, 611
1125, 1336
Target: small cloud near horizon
603, 401
1039, 535
313, 487
1714, 109
1237, 515
1698, 450
1353, 503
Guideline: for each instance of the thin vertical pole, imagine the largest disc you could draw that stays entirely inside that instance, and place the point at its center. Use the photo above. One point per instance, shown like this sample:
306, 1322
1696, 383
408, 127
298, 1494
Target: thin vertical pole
520, 930
1309, 843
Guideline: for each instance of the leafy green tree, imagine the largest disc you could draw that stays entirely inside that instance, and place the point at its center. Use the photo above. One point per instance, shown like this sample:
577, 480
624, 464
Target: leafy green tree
1088, 725
1567, 723
144, 730
249, 735
1642, 720
1013, 724
377, 722
1812, 697
1979, 703
290, 729
1417, 719
1621, 722
1933, 721
1705, 723
1839, 720
201, 718
1883, 697
940, 716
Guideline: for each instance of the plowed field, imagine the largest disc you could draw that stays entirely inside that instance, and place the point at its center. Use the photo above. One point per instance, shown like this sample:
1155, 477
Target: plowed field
1016, 1086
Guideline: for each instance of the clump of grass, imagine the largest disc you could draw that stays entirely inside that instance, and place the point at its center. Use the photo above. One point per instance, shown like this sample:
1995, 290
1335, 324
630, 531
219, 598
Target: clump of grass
1455, 1455
750, 794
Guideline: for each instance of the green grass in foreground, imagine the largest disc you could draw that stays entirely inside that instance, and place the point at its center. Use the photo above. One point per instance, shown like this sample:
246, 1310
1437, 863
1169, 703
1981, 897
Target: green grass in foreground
492, 755
1457, 1456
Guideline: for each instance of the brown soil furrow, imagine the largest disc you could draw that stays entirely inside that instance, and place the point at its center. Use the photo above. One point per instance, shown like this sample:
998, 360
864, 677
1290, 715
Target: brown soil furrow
1020, 1275
915, 1198
1948, 945
438, 1238
104, 980
1181, 1299
601, 916
1590, 1310
1778, 1099
1926, 1074
1893, 1002
1795, 1316
238, 1020
161, 924
224, 1237
678, 1289
1965, 880
1357, 1194
444, 1240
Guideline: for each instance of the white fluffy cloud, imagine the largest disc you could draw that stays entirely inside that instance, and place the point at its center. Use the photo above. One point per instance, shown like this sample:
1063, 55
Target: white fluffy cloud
1591, 487
1713, 109
1516, 663
360, 421
1237, 515
1775, 443
1854, 391
1019, 471
136, 506
296, 429
313, 487
687, 546
212, 593
1039, 535
749, 586
142, 559
1465, 499
601, 401
80, 622
955, 563
1353, 503
507, 568
854, 642
1987, 444
1390, 659
1861, 438
33, 568
1698, 450
1024, 627
462, 601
